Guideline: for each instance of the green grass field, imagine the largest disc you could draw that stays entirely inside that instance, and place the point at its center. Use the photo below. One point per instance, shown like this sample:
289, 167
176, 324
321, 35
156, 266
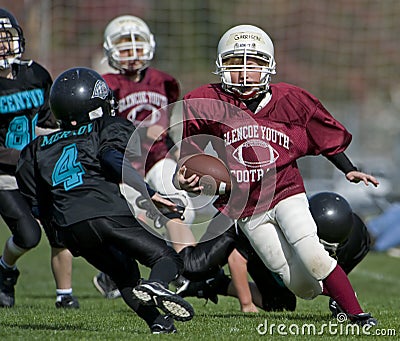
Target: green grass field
35, 317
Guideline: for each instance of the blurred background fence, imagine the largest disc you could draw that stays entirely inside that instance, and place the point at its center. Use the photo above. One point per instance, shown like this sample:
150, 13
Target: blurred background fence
346, 52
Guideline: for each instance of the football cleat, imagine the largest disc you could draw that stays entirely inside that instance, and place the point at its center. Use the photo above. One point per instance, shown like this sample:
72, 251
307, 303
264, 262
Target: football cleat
106, 286
208, 289
8, 280
363, 319
334, 308
154, 293
360, 319
67, 302
163, 325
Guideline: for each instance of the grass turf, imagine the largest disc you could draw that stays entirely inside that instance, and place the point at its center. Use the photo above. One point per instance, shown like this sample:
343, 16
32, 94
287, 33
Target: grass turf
35, 317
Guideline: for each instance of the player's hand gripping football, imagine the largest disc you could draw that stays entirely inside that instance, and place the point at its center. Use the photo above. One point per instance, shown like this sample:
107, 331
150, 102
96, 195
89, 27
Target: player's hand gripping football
190, 184
356, 176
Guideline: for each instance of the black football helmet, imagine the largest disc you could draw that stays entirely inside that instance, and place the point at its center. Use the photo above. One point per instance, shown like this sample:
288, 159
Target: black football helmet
333, 216
80, 95
12, 42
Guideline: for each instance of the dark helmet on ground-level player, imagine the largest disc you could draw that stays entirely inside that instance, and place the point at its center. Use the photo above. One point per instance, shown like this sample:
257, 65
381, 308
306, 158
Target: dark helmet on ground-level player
79, 95
128, 44
12, 42
245, 41
333, 216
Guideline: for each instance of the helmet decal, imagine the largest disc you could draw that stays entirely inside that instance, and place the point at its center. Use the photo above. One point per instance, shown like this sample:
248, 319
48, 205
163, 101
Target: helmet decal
100, 90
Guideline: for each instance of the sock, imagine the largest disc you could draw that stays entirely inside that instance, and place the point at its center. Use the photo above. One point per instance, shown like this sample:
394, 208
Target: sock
338, 287
14, 248
63, 292
7, 266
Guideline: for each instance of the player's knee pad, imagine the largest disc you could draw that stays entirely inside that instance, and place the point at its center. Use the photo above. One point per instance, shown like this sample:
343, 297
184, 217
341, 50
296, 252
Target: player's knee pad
297, 279
317, 261
300, 282
27, 233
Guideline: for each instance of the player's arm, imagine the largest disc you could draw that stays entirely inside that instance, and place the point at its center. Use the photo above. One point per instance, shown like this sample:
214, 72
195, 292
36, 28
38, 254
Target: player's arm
9, 156
112, 162
25, 176
238, 269
343, 163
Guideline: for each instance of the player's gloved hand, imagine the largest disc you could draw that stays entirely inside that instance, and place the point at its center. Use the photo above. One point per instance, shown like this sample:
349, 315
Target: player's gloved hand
162, 208
162, 201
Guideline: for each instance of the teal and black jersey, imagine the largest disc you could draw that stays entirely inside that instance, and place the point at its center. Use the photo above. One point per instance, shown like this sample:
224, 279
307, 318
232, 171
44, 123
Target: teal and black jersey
68, 176
23, 106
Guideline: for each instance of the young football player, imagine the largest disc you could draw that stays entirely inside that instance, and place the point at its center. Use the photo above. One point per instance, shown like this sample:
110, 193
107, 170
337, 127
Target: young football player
142, 92
24, 113
72, 178
259, 130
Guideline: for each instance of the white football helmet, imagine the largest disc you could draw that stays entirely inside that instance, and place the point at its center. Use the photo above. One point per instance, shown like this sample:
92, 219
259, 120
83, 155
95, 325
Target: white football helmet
245, 41
12, 42
128, 44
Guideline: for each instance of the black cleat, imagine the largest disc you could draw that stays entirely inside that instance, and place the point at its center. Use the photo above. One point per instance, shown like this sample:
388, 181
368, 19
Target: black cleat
8, 280
334, 308
360, 319
163, 325
106, 286
208, 289
68, 302
363, 319
154, 293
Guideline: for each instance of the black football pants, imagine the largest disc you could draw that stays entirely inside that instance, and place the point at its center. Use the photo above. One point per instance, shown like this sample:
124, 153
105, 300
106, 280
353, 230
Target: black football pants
16, 213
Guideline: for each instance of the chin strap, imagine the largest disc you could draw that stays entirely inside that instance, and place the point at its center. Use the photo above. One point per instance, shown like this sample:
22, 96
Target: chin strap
244, 96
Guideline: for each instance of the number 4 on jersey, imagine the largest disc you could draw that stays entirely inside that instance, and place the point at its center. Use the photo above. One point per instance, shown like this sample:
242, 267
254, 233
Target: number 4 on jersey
67, 169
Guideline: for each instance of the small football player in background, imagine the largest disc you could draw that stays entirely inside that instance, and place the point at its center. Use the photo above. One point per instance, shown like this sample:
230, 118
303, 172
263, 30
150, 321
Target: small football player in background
72, 177
259, 130
24, 113
142, 91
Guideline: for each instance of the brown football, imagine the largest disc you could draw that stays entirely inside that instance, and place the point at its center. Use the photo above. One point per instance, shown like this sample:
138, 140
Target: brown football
213, 173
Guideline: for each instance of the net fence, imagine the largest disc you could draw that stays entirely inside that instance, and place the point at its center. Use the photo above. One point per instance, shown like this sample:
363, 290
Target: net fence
346, 52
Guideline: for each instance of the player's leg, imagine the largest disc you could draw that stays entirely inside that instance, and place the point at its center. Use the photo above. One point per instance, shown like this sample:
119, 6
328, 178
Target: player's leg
136, 242
240, 287
61, 267
351, 252
300, 230
85, 242
26, 234
276, 253
268, 290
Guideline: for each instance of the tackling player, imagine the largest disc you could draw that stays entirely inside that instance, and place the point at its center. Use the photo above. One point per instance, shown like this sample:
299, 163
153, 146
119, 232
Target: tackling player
24, 113
259, 130
72, 177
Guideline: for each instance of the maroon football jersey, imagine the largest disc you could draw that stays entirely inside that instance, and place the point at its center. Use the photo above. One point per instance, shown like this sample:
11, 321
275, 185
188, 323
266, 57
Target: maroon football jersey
260, 149
140, 103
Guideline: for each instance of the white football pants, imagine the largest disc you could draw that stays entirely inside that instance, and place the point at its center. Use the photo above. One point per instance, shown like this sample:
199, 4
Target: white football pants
286, 240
